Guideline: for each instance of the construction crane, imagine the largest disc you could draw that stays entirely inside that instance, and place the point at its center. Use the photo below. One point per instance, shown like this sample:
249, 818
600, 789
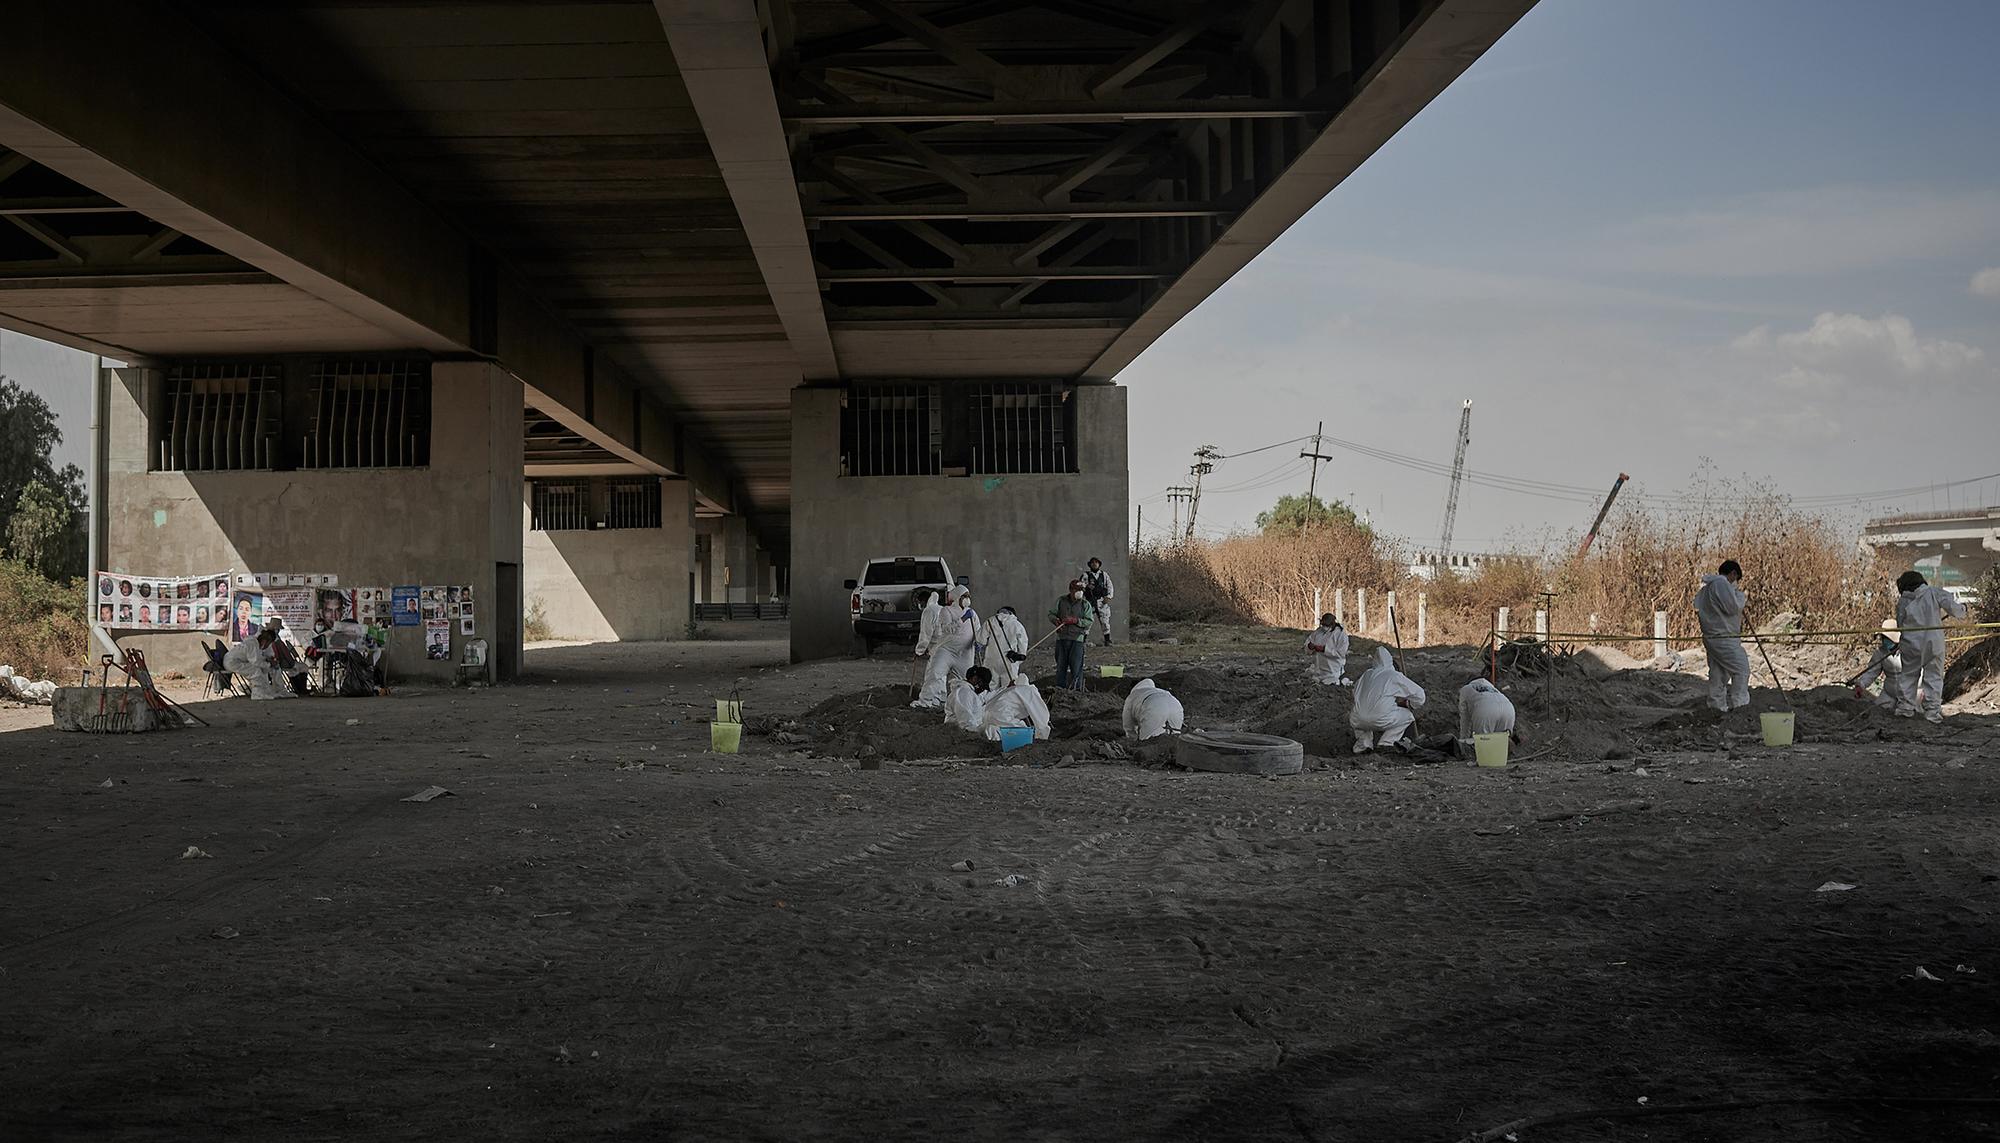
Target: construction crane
1457, 478
1591, 536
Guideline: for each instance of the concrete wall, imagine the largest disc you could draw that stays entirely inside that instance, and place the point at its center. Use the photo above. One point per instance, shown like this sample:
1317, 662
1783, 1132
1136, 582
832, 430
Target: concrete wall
448, 523
617, 583
1019, 538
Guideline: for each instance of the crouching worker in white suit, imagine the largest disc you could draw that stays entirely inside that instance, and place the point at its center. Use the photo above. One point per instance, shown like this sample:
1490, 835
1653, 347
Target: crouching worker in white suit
978, 709
251, 661
1385, 702
1482, 709
1326, 653
1151, 712
1886, 664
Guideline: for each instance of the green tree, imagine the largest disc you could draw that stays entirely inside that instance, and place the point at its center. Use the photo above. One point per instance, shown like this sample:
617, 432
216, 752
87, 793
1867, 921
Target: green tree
42, 531
28, 438
1297, 512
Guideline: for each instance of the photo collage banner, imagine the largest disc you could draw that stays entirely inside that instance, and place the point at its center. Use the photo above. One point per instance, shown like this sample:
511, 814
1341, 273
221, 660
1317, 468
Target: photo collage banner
161, 603
310, 603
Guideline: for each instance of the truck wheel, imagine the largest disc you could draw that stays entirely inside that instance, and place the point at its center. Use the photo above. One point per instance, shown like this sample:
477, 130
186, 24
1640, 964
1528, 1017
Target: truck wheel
1234, 752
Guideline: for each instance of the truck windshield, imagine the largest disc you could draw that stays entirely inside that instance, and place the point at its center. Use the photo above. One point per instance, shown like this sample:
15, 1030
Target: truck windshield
904, 574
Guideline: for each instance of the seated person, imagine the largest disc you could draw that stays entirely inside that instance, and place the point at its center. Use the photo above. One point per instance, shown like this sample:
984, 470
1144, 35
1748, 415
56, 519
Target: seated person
975, 707
349, 657
252, 661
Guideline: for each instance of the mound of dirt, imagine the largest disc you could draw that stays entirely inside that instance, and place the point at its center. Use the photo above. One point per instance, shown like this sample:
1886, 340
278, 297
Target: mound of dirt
1972, 682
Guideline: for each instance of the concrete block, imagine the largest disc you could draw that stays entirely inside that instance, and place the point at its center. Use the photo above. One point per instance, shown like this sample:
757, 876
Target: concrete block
77, 708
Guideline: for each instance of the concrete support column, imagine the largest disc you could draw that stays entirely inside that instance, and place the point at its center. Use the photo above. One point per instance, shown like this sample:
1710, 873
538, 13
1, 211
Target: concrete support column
764, 590
739, 565
615, 583
1018, 537
455, 521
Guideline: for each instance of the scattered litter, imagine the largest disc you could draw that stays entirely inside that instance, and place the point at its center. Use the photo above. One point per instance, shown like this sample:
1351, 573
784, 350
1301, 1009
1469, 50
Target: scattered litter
1012, 880
632, 765
1695, 781
495, 891
1643, 1101
195, 851
1923, 974
225, 933
557, 913
354, 722
1834, 887
1955, 763
429, 792
105, 784
961, 867
1964, 968
1642, 772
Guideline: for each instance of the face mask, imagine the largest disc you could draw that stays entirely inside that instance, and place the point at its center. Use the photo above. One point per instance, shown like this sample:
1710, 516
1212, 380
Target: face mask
1076, 595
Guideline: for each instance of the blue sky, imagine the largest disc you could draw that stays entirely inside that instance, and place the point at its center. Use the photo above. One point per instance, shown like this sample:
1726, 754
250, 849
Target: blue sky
1738, 238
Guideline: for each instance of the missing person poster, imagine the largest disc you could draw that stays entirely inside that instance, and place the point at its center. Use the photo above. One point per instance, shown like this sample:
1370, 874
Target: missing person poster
246, 615
404, 598
437, 639
294, 605
161, 603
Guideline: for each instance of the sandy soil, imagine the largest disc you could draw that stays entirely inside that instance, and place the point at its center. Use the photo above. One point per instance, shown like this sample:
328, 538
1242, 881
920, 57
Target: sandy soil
608, 933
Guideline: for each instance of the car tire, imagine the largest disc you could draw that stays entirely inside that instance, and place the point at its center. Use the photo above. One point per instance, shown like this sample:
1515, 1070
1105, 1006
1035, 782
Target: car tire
1235, 752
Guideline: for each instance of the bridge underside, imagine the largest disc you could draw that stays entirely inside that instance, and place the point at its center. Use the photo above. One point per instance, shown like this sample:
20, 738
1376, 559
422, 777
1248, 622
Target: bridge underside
663, 219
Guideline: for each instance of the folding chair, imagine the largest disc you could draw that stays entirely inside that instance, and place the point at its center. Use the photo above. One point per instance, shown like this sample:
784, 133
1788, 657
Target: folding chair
222, 682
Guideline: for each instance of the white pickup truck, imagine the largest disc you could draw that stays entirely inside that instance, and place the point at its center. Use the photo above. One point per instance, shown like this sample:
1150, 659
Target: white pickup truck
879, 602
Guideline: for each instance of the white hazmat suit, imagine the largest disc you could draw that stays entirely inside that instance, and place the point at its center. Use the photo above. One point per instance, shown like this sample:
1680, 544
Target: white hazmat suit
950, 650
1482, 709
966, 708
1377, 715
252, 663
1151, 712
1719, 607
927, 636
1003, 633
1887, 665
1018, 705
1326, 656
1923, 651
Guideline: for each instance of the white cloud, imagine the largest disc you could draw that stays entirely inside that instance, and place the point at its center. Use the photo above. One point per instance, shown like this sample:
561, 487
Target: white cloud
1805, 232
1986, 283
1854, 345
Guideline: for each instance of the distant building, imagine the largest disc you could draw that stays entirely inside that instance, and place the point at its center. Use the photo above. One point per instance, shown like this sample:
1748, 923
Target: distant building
1953, 548
1426, 565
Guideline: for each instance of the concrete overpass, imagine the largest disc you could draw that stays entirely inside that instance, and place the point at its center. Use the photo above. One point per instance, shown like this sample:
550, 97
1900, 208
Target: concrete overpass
835, 277
1965, 541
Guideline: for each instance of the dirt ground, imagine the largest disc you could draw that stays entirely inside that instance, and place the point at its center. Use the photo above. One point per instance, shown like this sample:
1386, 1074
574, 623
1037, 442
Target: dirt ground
608, 933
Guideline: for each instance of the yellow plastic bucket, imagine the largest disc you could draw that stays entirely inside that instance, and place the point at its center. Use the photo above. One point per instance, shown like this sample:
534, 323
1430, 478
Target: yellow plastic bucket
1778, 727
1490, 749
725, 737
1108, 671
728, 710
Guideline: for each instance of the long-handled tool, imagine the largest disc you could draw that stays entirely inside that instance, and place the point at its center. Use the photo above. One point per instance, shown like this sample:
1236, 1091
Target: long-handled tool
915, 662
1772, 667
1398, 633
102, 723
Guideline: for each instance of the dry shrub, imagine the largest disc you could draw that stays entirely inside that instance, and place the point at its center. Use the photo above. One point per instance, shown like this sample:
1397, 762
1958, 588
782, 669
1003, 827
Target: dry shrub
1648, 560
42, 630
1259, 579
1175, 584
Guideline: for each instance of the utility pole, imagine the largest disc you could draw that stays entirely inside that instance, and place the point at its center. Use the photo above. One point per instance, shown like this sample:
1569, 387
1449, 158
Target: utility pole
1139, 527
1204, 463
1175, 495
1312, 482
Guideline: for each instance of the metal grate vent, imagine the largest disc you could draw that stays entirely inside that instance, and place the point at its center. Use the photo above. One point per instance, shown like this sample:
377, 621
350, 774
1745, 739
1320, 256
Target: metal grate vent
368, 414
560, 506
633, 504
1020, 426
891, 430
220, 416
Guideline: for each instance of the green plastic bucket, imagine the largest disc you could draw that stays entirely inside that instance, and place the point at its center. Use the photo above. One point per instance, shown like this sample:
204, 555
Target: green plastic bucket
725, 737
728, 710
1109, 671
1490, 750
1778, 727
